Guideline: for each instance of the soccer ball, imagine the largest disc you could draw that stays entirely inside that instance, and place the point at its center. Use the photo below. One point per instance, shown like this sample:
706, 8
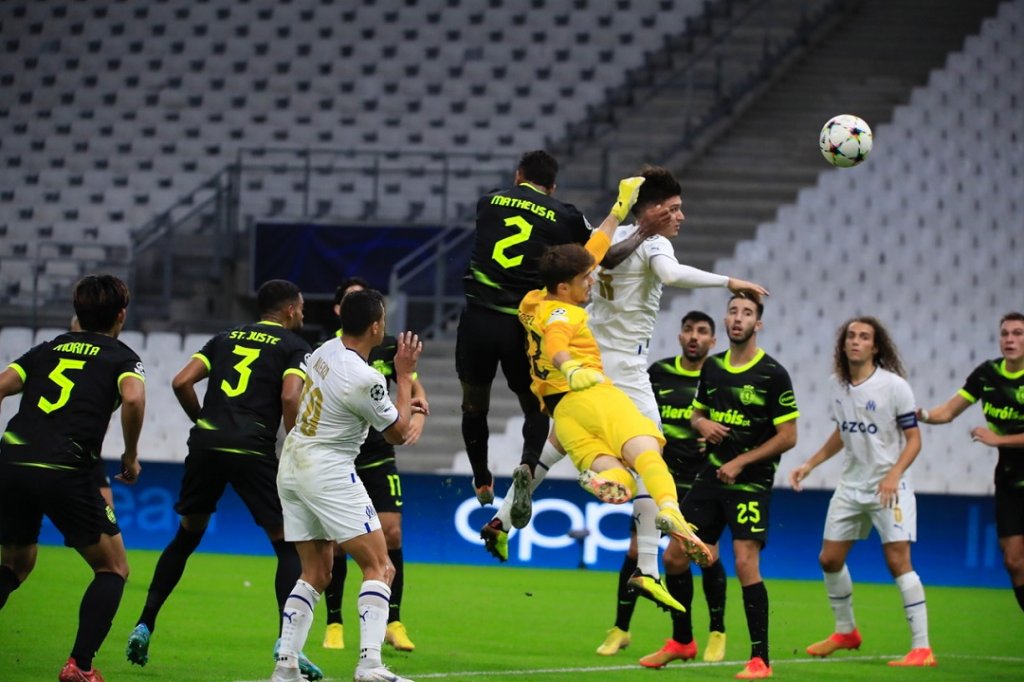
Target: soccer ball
845, 140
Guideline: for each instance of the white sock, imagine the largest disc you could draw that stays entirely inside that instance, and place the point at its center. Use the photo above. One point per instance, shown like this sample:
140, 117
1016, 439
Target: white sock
647, 535
917, 611
839, 586
374, 598
296, 619
549, 456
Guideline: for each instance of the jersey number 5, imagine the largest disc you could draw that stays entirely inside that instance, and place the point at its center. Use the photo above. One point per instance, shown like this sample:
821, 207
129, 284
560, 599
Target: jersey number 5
498, 254
249, 356
65, 384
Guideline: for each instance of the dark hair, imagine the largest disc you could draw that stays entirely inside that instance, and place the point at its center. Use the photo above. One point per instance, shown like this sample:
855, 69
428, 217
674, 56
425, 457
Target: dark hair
698, 316
538, 167
886, 358
275, 294
98, 299
750, 296
563, 263
659, 186
346, 284
1012, 316
361, 309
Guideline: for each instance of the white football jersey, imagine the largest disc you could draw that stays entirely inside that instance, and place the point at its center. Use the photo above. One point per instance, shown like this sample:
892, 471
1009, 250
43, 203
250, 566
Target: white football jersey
342, 398
871, 418
624, 301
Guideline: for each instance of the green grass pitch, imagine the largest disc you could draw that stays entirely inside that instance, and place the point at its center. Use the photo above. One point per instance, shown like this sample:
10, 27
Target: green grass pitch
491, 623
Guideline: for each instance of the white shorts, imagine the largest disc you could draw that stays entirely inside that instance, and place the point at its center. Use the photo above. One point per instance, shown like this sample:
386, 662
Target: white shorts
629, 373
852, 513
318, 506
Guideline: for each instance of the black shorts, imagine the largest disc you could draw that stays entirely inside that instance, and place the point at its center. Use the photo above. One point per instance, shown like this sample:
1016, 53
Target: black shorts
711, 509
486, 338
1009, 510
254, 478
99, 474
384, 486
69, 498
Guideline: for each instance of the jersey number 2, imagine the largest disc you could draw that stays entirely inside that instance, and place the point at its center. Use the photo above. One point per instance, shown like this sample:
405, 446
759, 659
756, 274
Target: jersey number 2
498, 254
57, 377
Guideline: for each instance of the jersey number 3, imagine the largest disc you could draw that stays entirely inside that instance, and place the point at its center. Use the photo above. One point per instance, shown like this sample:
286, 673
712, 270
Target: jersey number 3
249, 356
498, 253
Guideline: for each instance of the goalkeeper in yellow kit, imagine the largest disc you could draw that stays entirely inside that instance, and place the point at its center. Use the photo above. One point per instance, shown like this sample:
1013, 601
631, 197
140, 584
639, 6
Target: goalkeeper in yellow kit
597, 424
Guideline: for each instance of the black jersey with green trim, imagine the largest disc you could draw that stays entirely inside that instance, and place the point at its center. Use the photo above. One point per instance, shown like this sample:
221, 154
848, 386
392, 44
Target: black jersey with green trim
513, 228
1002, 402
71, 387
376, 449
241, 411
674, 389
750, 400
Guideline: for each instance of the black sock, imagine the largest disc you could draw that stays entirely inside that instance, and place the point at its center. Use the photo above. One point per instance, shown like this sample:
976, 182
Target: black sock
713, 580
169, 568
336, 588
95, 615
289, 570
536, 427
755, 603
8, 583
397, 585
475, 433
680, 586
626, 601
1019, 592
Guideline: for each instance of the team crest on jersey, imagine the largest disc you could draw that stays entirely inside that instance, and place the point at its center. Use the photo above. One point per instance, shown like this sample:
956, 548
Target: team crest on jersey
558, 315
377, 393
749, 396
1019, 395
870, 406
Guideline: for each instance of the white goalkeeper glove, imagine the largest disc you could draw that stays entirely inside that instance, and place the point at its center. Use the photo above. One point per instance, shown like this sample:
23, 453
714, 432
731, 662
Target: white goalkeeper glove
579, 377
629, 188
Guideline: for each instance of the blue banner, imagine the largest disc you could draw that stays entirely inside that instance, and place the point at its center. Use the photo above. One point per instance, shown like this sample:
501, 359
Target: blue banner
957, 542
317, 257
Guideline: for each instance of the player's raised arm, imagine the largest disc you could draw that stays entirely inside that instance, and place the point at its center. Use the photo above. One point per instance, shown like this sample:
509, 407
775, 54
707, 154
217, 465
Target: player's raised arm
944, 413
406, 356
600, 241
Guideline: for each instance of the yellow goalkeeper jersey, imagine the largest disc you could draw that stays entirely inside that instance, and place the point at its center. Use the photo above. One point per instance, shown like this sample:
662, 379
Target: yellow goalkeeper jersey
553, 326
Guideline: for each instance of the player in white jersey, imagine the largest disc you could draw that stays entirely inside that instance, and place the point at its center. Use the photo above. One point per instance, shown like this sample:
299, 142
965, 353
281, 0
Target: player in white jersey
323, 499
874, 411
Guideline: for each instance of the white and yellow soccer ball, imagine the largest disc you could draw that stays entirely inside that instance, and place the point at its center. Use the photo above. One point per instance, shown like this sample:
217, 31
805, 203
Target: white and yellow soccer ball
845, 140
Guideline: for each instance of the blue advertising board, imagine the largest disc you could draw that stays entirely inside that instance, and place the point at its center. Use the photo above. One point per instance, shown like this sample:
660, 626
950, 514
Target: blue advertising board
957, 542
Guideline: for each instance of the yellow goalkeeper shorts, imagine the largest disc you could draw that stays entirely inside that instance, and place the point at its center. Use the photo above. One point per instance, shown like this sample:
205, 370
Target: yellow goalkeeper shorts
599, 421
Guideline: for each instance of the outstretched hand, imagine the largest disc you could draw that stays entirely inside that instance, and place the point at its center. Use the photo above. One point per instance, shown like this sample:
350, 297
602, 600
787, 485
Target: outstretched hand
408, 353
629, 189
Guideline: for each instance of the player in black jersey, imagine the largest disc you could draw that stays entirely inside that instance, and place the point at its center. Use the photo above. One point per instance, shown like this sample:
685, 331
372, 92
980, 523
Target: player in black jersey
513, 227
999, 385
99, 470
70, 386
674, 382
256, 372
746, 412
378, 471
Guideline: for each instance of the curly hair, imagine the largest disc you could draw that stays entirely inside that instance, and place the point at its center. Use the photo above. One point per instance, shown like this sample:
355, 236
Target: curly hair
886, 356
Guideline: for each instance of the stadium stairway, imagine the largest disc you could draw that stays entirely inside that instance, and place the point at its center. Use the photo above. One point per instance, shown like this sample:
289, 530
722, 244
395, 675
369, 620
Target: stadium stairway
866, 63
